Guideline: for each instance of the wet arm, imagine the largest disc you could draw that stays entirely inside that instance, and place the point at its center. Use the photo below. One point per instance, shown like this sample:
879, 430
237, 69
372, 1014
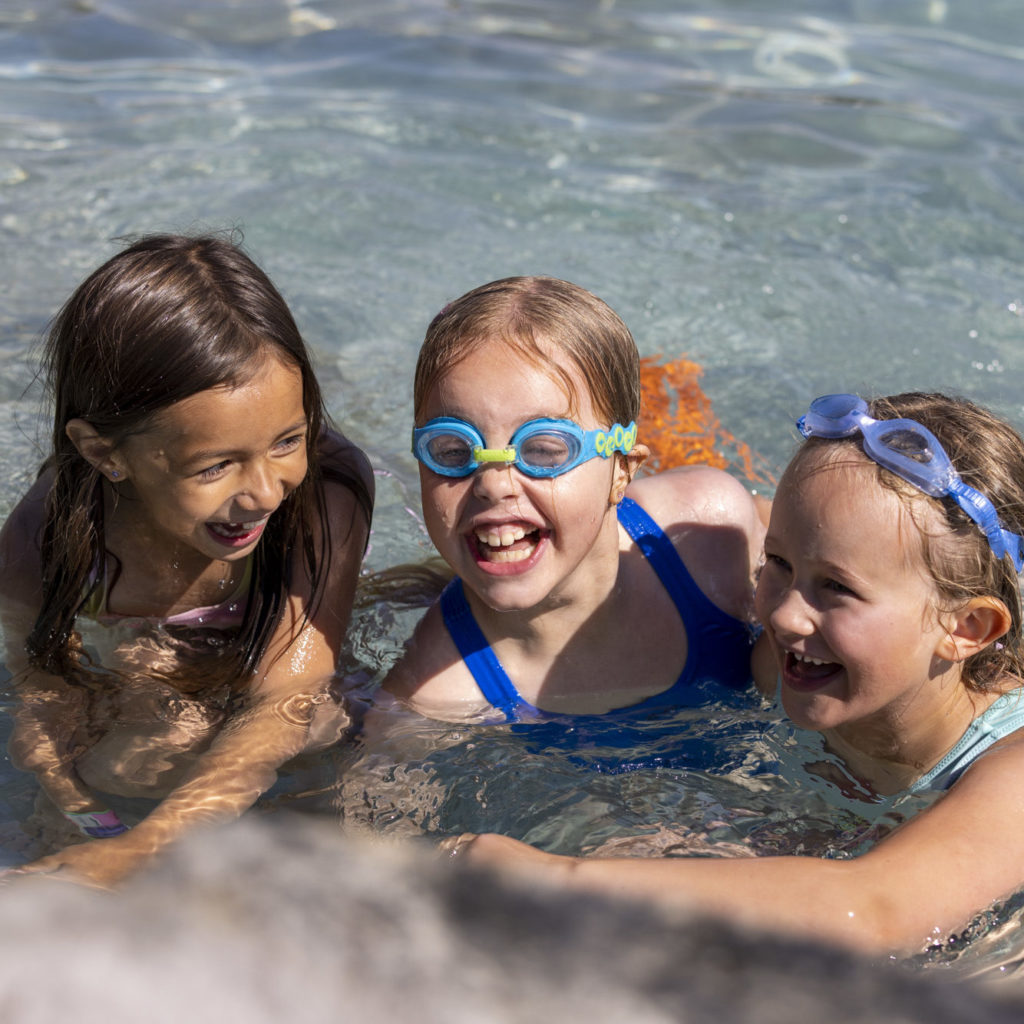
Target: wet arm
46, 709
45, 713
271, 728
917, 885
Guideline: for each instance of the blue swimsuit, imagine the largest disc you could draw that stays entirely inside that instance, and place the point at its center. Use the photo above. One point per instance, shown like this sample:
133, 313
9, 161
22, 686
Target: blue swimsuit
718, 646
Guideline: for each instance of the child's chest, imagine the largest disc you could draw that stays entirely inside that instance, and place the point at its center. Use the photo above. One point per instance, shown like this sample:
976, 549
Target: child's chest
628, 651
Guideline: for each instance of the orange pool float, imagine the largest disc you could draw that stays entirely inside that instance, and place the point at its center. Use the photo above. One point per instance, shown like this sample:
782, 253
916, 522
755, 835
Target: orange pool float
679, 426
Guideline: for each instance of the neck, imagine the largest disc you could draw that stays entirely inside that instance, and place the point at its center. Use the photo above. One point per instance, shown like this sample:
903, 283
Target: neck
893, 749
152, 580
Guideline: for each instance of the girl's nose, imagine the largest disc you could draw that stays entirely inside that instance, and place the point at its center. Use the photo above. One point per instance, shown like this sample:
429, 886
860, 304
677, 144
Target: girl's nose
791, 615
496, 481
264, 488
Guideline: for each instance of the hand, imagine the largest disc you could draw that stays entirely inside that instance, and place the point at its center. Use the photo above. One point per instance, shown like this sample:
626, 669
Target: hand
99, 863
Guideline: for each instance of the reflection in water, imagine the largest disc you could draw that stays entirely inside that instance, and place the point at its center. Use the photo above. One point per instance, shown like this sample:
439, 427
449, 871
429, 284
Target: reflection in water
132, 729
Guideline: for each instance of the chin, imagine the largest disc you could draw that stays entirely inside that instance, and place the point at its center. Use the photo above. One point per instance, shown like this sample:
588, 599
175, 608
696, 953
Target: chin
507, 594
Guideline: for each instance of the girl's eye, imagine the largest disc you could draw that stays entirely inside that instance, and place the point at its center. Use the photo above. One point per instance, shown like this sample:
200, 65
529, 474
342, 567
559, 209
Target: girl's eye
547, 450
450, 451
212, 472
776, 562
290, 443
839, 588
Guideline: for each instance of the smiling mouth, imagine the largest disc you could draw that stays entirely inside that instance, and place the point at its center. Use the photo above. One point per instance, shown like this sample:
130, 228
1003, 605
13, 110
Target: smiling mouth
237, 534
803, 669
507, 543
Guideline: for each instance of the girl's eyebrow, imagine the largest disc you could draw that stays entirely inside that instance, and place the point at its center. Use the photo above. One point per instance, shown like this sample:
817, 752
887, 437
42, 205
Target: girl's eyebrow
208, 454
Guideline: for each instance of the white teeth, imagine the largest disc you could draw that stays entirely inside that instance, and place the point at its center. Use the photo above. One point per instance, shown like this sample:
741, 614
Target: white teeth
502, 537
237, 529
498, 543
809, 661
509, 556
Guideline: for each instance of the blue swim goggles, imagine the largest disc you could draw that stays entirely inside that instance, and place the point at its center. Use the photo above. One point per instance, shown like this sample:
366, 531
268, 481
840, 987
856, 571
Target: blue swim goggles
914, 454
539, 448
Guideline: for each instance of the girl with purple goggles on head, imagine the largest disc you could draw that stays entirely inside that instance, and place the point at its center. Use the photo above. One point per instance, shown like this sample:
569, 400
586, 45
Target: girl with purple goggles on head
913, 453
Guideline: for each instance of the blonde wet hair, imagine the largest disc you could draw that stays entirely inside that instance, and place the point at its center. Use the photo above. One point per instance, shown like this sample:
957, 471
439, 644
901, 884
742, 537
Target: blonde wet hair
541, 319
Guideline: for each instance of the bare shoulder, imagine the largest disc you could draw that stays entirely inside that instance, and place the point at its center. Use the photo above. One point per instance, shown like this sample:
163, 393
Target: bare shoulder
348, 517
346, 459
431, 677
20, 570
716, 526
697, 494
320, 603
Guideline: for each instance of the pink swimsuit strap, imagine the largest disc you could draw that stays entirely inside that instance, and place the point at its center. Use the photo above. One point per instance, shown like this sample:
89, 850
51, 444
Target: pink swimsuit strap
226, 614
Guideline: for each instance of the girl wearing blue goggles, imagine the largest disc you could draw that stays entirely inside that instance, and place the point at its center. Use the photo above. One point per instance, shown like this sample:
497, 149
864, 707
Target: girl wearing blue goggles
913, 453
574, 593
539, 448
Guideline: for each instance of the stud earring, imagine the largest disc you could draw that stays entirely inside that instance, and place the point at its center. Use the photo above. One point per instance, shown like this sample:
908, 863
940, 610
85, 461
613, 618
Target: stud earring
114, 474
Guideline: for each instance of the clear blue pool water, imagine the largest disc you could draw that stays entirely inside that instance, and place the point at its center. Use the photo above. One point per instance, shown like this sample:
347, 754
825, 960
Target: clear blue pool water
803, 197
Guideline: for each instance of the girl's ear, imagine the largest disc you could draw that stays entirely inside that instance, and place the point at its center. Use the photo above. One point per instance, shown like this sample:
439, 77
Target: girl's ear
980, 622
97, 450
626, 467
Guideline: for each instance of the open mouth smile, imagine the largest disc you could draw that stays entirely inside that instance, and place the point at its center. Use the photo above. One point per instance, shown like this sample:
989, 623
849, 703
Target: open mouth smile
506, 547
805, 674
237, 535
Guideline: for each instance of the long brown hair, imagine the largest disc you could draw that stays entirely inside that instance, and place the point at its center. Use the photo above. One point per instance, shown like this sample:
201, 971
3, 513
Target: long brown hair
168, 317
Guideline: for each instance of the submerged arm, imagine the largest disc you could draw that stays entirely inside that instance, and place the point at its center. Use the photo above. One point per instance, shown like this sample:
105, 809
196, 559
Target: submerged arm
45, 714
46, 710
271, 727
915, 886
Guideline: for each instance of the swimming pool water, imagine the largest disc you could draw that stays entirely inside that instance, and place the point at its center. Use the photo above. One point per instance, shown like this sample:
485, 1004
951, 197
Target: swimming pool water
802, 197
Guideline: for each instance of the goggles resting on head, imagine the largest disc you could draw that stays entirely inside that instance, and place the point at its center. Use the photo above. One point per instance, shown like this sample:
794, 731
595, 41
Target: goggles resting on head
913, 453
539, 448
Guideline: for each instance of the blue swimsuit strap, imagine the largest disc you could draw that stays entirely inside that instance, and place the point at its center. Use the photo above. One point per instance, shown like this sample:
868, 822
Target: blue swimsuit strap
476, 652
491, 677
663, 558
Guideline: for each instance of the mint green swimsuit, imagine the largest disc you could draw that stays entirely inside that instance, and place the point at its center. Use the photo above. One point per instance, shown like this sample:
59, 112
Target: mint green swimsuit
1001, 719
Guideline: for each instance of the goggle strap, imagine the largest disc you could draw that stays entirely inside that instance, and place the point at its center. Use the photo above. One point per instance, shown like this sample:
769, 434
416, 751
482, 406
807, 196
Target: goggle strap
980, 509
618, 439
1014, 548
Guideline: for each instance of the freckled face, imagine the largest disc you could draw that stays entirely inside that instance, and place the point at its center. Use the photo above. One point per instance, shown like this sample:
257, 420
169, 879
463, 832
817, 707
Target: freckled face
210, 470
846, 601
518, 541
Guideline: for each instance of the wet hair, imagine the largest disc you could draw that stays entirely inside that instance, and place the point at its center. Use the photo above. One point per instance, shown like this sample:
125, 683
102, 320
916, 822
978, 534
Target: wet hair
546, 321
168, 317
989, 456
